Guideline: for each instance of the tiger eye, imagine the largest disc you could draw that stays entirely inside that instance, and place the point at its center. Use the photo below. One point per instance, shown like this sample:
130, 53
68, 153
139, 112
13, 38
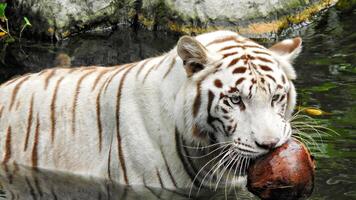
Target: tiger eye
235, 99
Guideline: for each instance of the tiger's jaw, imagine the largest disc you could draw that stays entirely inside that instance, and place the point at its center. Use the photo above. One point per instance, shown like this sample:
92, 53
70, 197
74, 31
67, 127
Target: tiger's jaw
236, 160
251, 140
252, 147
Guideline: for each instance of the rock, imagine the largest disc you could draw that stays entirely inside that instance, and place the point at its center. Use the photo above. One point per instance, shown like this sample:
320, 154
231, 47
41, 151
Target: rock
285, 173
346, 5
61, 18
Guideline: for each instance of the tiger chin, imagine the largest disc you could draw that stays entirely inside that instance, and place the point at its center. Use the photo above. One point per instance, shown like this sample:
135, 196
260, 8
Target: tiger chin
192, 118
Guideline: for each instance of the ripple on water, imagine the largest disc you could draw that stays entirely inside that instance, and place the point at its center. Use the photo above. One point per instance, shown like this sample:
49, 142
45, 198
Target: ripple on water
340, 179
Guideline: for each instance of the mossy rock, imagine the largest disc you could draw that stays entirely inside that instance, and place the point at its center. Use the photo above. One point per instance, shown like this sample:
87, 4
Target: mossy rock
57, 19
346, 5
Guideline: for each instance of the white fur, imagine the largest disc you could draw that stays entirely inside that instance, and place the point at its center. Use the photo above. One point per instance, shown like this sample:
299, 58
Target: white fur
150, 111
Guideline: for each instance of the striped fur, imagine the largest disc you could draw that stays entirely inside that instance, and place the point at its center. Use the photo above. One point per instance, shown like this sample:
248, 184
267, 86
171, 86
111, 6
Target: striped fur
134, 123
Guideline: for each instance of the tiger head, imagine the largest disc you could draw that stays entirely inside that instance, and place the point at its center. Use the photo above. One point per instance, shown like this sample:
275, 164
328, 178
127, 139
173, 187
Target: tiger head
237, 91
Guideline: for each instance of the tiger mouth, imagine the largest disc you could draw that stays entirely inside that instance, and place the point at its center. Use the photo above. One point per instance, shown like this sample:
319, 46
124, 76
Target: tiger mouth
246, 152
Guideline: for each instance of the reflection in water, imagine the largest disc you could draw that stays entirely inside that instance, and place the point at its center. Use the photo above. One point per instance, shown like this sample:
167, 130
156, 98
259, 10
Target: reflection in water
20, 182
326, 79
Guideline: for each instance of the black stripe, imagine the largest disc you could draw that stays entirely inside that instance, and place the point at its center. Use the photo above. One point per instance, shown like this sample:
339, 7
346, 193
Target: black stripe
1, 110
107, 189
109, 164
7, 155
168, 168
53, 194
37, 185
32, 191
16, 90
118, 135
7, 173
211, 119
159, 178
170, 67
124, 193
186, 164
149, 189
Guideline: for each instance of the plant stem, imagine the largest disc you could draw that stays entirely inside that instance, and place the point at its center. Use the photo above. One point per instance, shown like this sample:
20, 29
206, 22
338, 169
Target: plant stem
23, 28
7, 27
3, 30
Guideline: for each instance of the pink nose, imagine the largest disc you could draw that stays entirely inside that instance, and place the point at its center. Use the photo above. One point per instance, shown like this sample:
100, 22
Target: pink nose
269, 144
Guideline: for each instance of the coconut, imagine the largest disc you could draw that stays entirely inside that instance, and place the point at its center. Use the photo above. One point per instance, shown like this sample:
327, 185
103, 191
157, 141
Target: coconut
286, 172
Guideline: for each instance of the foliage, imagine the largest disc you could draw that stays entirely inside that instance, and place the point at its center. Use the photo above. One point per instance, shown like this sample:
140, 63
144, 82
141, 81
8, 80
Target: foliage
27, 24
3, 19
347, 68
325, 87
5, 33
2, 10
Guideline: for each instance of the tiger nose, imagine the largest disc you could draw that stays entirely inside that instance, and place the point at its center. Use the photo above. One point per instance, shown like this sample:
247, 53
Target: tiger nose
268, 144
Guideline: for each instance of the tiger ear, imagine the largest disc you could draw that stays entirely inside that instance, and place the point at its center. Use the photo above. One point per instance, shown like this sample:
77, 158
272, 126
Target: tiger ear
193, 54
288, 50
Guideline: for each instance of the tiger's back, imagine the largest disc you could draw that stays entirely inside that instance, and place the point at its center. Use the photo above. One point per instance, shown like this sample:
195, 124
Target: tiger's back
75, 119
41, 115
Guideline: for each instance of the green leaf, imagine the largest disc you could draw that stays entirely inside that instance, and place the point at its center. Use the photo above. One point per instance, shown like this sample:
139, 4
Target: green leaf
325, 87
27, 22
347, 68
2, 10
9, 40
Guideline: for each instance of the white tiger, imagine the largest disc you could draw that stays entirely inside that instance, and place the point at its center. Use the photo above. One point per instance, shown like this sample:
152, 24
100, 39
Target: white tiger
138, 123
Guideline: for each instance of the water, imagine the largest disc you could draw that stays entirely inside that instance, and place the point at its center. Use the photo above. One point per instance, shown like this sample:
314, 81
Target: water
326, 79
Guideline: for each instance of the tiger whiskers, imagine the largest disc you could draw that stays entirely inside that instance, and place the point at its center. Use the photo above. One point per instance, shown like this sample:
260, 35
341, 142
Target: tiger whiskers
227, 165
236, 176
305, 138
297, 115
245, 166
224, 150
209, 153
215, 168
231, 179
231, 161
302, 134
315, 126
303, 126
227, 177
242, 168
224, 170
206, 146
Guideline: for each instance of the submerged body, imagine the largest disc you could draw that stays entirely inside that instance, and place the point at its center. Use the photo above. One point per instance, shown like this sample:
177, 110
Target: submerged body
133, 123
